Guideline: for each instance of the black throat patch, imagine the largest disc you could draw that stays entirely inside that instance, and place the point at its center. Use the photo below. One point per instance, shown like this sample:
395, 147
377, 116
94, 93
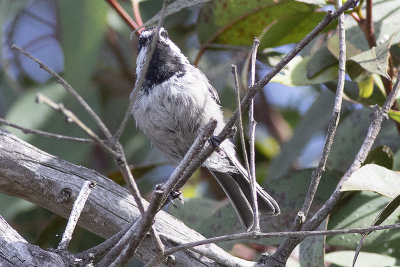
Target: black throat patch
163, 65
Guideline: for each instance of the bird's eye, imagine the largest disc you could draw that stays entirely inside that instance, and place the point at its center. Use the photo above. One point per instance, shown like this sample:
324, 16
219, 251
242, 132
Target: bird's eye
142, 41
164, 34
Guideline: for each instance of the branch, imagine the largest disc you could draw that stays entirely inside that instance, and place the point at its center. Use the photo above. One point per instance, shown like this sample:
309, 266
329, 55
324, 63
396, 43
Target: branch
252, 129
69, 88
21, 161
240, 121
127, 245
79, 204
136, 12
71, 118
16, 251
188, 165
122, 13
45, 134
256, 235
333, 123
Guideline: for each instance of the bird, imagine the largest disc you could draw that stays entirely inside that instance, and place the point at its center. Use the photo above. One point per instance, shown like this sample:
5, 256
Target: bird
175, 102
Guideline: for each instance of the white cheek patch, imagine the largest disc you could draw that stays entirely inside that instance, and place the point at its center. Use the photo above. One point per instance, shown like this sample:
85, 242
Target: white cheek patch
141, 57
146, 33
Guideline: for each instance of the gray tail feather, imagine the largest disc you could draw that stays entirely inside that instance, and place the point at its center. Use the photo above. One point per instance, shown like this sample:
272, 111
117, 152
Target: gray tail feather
237, 188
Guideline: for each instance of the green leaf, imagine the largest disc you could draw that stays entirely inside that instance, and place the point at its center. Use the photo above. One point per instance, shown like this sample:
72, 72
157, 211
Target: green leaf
386, 212
175, 7
312, 249
366, 87
382, 156
315, 119
295, 73
386, 22
376, 59
360, 209
83, 24
211, 218
395, 115
345, 258
289, 191
238, 22
320, 60
350, 136
374, 178
352, 91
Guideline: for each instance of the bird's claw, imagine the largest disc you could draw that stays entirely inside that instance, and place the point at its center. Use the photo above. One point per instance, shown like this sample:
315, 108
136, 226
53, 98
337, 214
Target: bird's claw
175, 194
214, 141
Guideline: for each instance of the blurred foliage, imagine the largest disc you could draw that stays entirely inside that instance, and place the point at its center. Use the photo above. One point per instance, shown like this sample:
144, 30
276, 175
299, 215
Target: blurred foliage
89, 45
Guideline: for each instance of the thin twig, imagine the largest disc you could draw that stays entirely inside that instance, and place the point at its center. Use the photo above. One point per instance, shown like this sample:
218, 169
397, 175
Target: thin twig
121, 253
255, 235
333, 123
100, 250
240, 121
184, 170
79, 204
70, 89
252, 128
122, 13
186, 167
136, 12
141, 78
45, 134
134, 190
72, 118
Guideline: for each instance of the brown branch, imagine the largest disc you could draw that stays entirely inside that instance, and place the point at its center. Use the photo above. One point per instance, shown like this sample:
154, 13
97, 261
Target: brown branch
136, 12
369, 25
123, 14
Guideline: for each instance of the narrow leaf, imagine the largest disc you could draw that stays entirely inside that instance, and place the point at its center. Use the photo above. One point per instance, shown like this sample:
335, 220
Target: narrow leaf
395, 115
386, 212
374, 178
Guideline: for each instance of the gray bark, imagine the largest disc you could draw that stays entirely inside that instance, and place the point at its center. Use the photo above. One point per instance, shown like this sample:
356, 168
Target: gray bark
16, 251
36, 176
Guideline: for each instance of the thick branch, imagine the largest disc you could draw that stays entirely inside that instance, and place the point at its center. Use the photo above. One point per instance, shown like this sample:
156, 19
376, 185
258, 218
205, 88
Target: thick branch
38, 177
16, 251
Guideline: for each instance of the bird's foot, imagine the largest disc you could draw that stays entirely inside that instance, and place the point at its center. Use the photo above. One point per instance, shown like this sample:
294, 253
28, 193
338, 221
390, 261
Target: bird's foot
175, 194
215, 141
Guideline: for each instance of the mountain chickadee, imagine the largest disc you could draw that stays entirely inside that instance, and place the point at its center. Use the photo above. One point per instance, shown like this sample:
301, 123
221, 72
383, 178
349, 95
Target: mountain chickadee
175, 102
